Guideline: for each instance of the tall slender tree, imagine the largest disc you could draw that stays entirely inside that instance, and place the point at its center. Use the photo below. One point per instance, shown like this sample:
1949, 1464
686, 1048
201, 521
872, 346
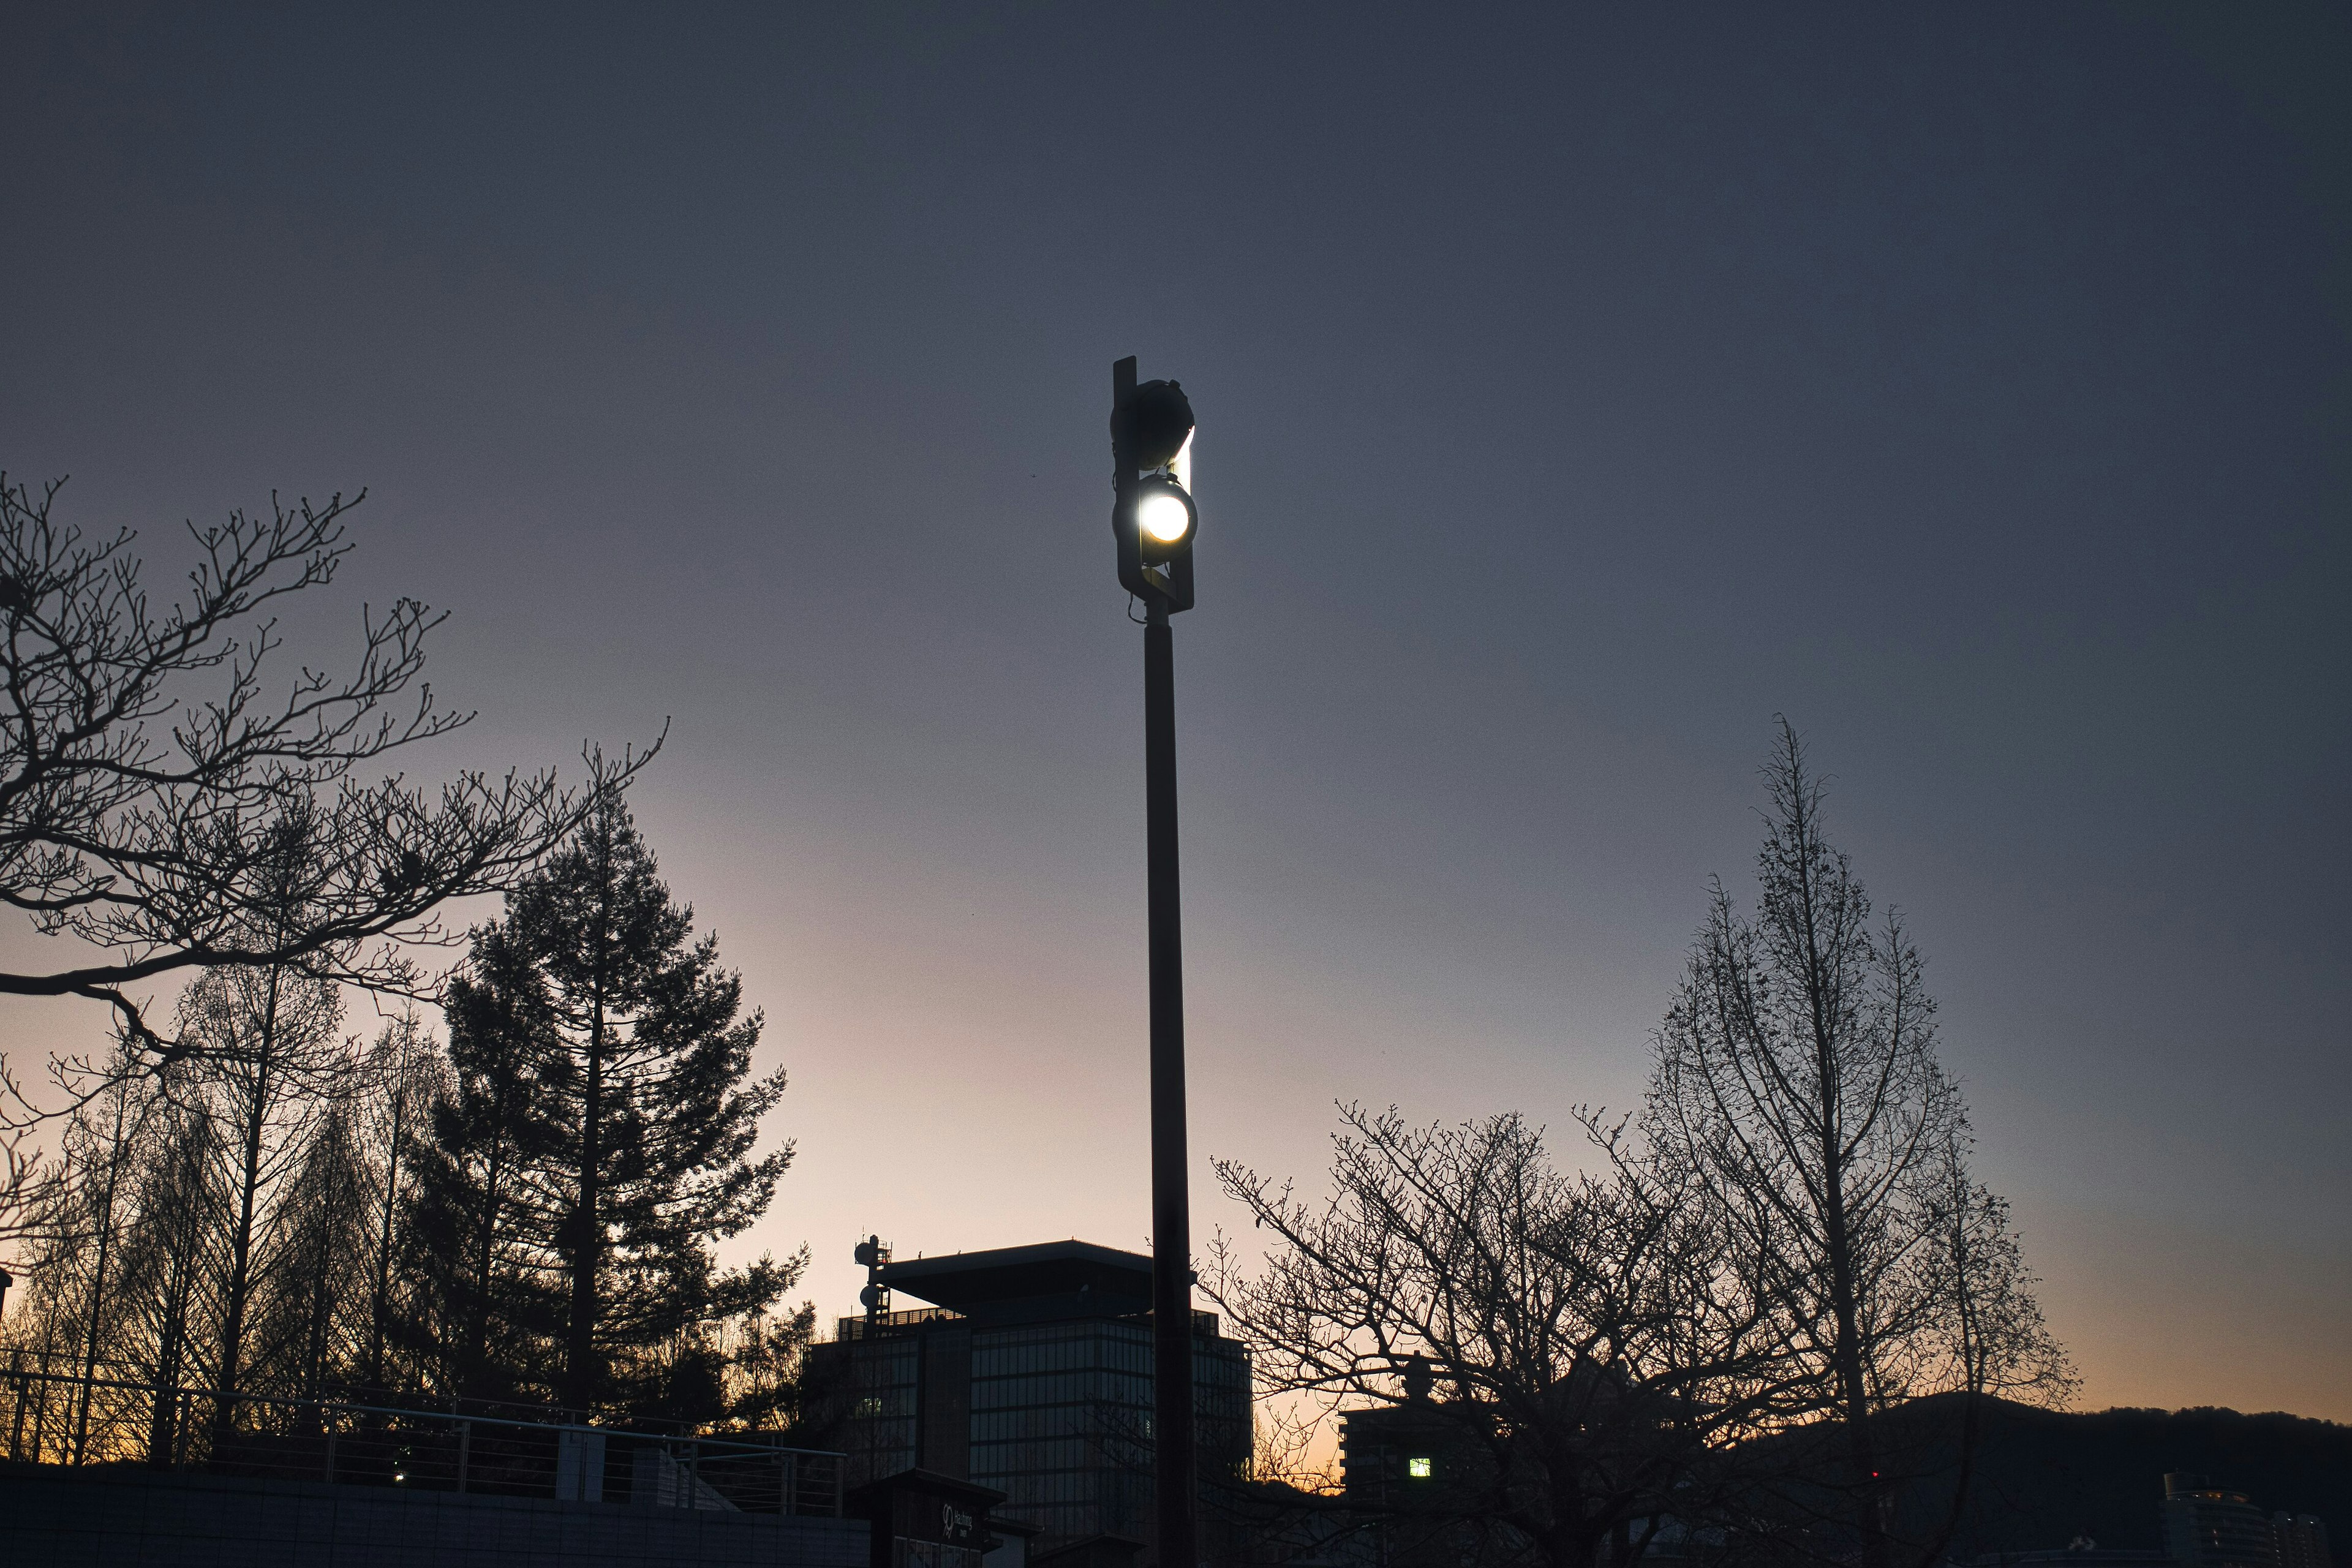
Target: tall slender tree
101, 1141
168, 1275
75, 1320
647, 1114
1796, 1070
272, 1065
403, 1075
313, 1309
483, 1276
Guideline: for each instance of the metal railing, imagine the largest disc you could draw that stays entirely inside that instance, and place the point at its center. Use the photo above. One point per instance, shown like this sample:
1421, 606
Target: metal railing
891, 1325
82, 1418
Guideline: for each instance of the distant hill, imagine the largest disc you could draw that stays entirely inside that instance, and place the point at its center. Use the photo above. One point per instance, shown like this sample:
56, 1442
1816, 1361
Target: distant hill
2043, 1477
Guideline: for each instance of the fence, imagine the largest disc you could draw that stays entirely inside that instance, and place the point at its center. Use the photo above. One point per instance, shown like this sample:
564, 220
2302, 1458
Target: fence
84, 1418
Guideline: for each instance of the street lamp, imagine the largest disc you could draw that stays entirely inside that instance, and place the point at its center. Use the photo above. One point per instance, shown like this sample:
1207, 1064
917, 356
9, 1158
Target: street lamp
1164, 517
1154, 520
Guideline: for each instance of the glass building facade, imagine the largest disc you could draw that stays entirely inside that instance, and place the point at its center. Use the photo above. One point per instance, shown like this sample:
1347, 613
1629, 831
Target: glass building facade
1039, 1387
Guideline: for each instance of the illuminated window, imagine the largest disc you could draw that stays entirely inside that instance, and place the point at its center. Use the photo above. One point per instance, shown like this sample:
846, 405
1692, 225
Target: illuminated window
1417, 1469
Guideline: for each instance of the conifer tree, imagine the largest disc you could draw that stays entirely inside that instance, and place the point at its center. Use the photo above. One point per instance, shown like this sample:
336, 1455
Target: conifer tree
646, 1114
483, 1283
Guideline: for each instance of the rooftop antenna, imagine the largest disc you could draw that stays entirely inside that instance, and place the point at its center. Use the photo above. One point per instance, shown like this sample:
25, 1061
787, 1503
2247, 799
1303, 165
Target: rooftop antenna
874, 1252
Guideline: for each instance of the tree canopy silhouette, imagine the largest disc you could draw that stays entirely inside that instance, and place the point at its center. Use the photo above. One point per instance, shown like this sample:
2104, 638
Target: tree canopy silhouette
601, 1132
152, 761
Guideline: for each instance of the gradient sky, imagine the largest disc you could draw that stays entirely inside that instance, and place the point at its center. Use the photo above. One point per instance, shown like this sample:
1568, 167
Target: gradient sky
1579, 389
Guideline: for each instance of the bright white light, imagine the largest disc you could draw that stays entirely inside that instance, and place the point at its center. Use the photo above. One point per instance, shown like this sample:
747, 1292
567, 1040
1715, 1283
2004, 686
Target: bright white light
1163, 517
1179, 467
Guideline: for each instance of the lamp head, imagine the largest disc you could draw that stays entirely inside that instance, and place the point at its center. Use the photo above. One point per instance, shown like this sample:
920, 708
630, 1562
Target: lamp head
1152, 515
1158, 421
1164, 517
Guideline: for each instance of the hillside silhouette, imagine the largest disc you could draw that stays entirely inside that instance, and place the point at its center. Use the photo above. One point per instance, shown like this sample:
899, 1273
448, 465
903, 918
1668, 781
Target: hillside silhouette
2045, 1477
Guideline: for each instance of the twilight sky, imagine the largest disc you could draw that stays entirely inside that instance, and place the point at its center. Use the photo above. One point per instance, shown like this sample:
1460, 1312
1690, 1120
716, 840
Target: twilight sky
1579, 389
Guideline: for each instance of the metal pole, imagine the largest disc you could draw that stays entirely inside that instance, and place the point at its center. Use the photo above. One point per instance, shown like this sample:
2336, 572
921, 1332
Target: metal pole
16, 1422
1171, 1215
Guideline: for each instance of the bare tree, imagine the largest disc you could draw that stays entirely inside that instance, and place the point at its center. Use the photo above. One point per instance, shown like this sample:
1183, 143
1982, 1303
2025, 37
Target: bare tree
406, 1074
1992, 1337
1795, 1076
70, 1318
100, 1147
1600, 1344
171, 1271
310, 1311
149, 761
26, 1179
273, 1068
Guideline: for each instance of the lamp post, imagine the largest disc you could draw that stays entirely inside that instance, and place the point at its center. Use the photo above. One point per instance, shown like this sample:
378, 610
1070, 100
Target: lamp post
1153, 519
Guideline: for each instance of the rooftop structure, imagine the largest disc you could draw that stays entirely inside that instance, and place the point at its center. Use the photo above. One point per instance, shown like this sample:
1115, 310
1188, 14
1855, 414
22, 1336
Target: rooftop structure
1030, 1373
2206, 1526
1054, 1279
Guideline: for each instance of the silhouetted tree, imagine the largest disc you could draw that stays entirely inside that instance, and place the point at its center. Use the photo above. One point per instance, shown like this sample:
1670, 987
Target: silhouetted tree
1795, 1076
645, 1113
168, 1269
147, 768
271, 1068
765, 1375
404, 1074
101, 1145
484, 1301
312, 1313
1579, 1353
596, 1137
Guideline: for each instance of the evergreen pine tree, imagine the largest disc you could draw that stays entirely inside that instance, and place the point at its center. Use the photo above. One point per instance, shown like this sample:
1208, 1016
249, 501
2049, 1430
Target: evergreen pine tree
484, 1302
646, 1114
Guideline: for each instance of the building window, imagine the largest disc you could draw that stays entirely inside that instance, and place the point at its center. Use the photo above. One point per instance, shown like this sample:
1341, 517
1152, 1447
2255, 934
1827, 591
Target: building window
1417, 1469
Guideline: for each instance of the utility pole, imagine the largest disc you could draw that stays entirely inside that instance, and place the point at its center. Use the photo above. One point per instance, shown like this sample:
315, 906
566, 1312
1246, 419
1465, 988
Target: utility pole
1154, 520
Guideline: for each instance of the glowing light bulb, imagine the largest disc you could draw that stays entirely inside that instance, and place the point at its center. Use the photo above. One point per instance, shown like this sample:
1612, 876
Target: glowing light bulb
1164, 517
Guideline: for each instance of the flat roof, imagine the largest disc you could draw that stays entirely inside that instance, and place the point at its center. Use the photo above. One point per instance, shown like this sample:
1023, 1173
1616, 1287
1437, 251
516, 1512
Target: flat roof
962, 1280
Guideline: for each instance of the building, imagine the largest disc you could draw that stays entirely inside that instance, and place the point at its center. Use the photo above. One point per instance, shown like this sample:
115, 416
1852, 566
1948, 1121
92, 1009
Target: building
1397, 1458
2206, 1526
917, 1520
2301, 1540
1411, 1473
1030, 1375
